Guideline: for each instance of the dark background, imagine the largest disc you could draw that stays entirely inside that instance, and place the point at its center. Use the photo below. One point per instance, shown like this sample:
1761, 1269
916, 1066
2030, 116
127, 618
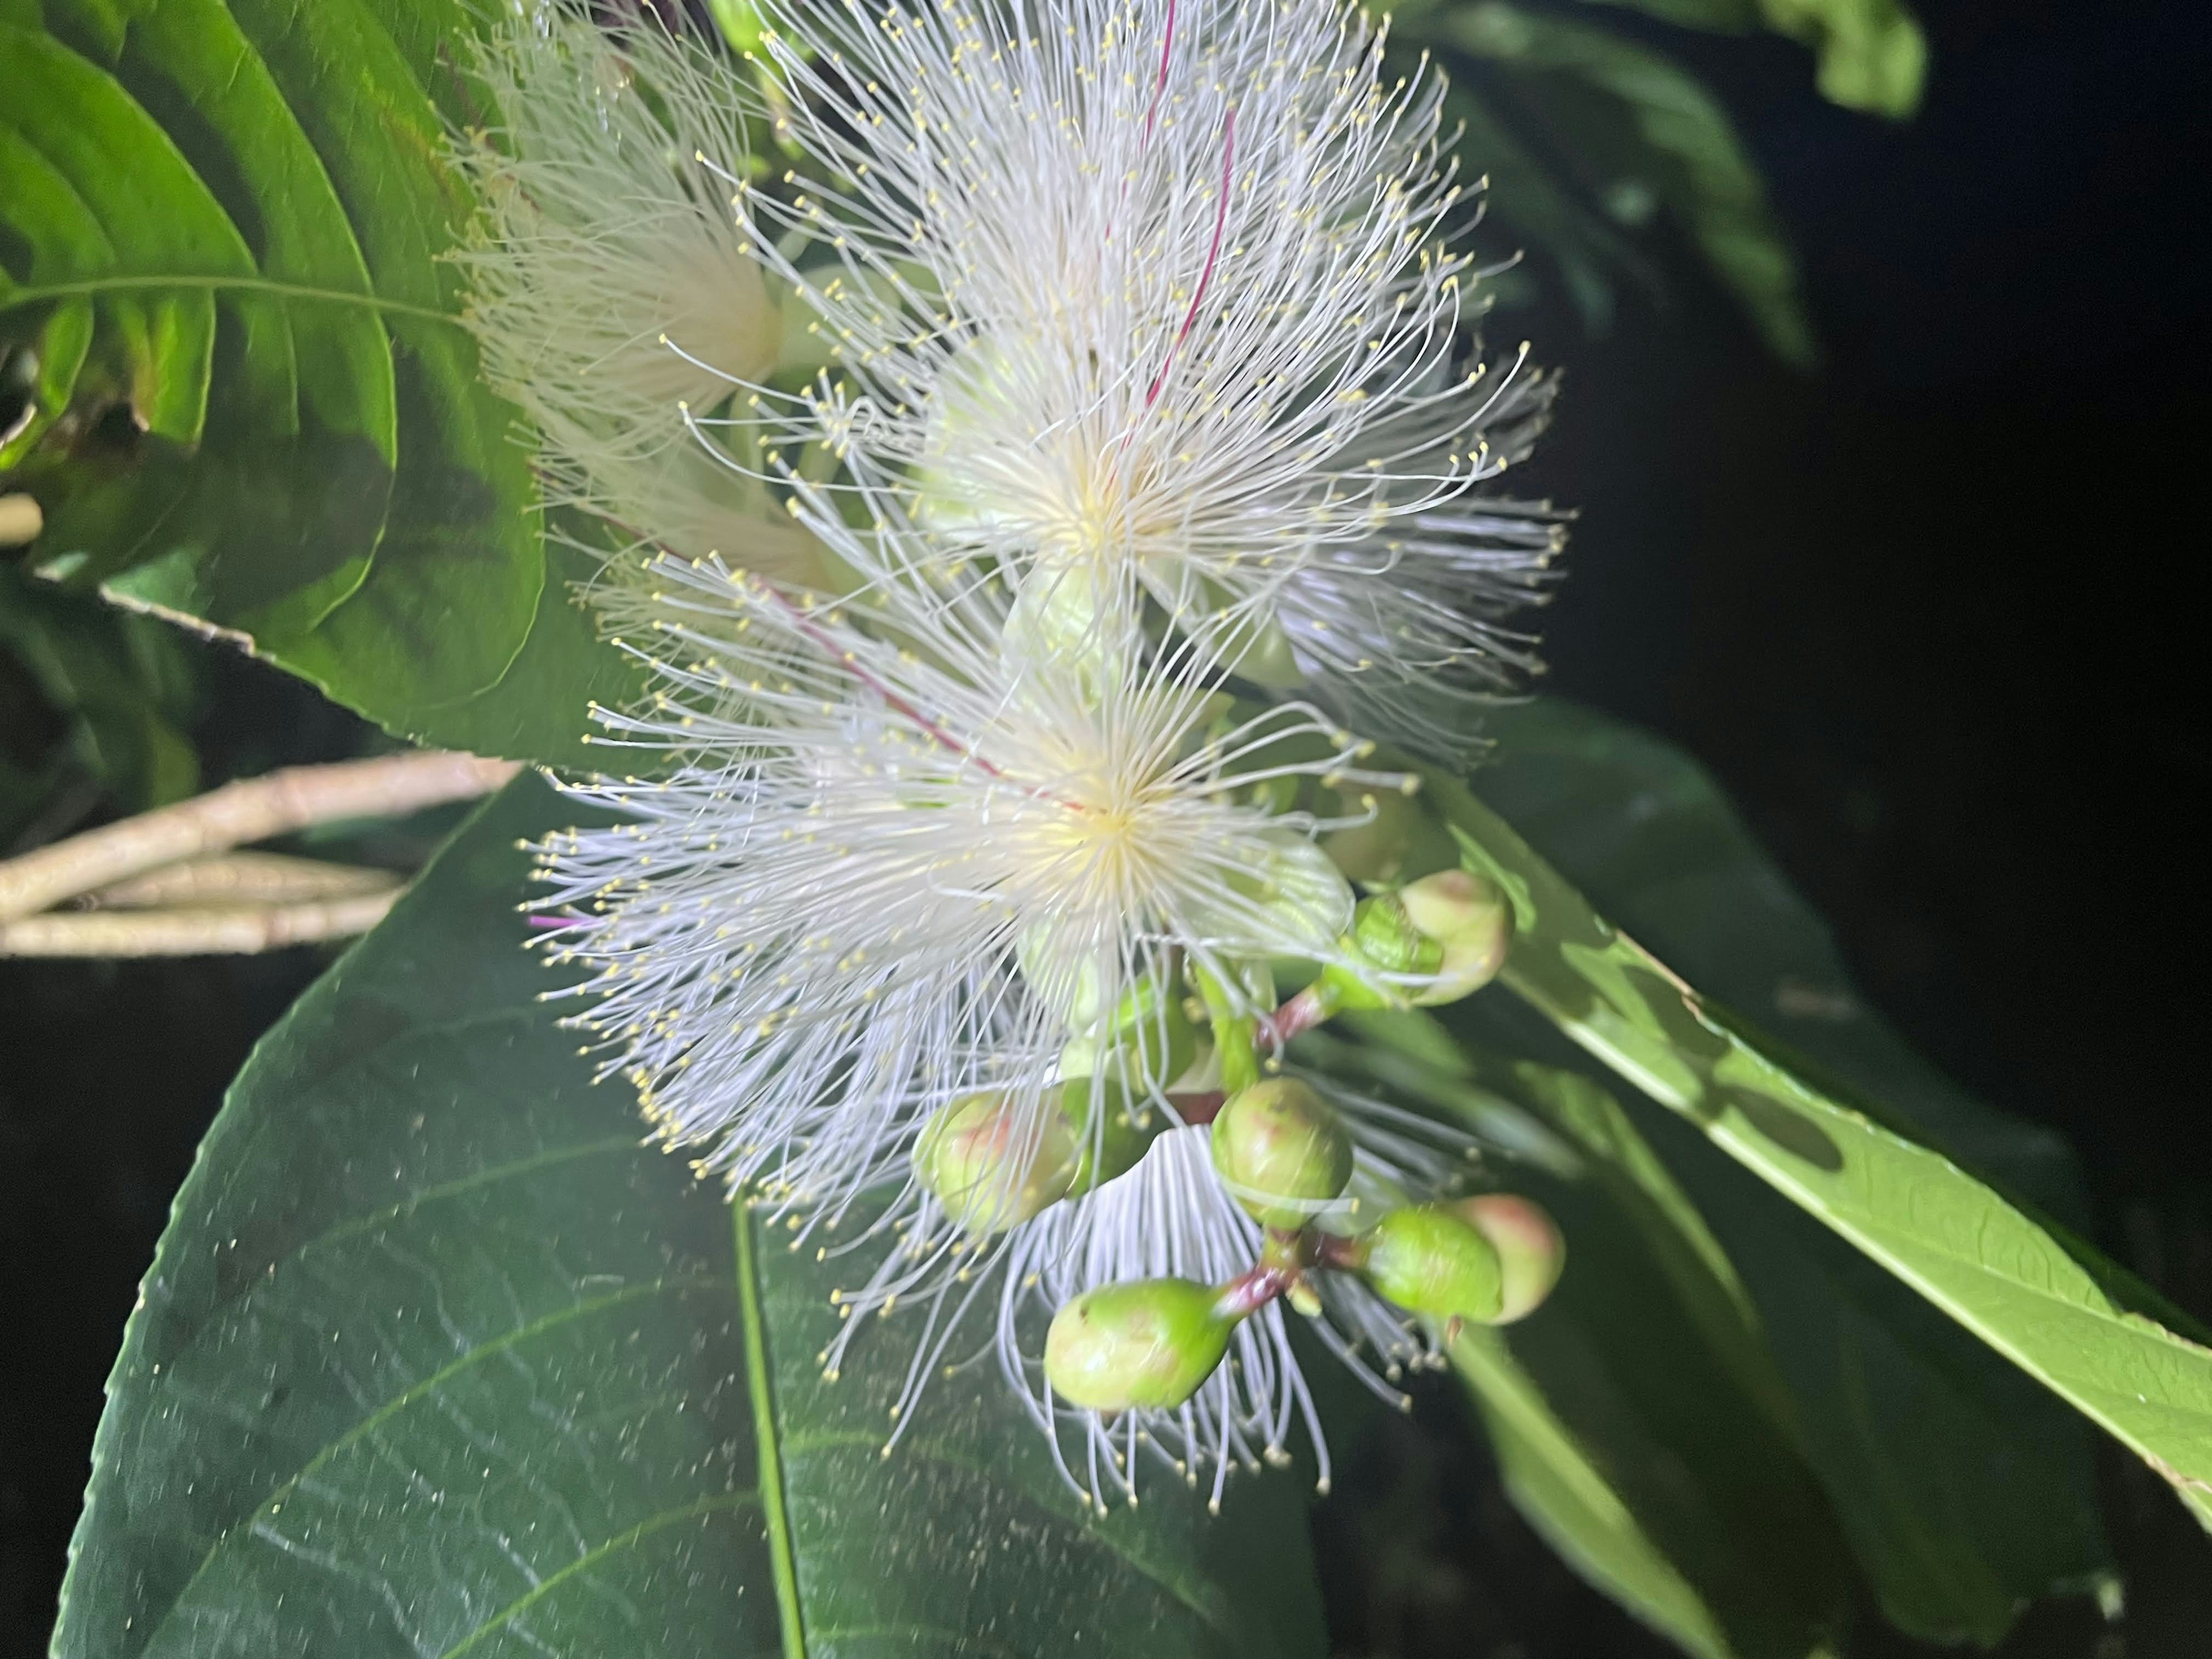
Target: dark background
1925, 613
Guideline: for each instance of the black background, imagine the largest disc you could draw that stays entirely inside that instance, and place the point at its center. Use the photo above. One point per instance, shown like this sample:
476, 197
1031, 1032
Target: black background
1927, 615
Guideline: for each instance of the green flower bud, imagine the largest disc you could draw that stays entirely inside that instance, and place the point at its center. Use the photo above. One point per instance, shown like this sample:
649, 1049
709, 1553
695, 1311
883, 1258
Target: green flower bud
1429, 1261
1433, 941
1531, 1254
1144, 1344
992, 1166
1471, 919
1280, 1152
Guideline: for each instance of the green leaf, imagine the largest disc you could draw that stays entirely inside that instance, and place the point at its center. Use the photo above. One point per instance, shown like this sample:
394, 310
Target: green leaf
1645, 134
1872, 55
124, 687
540, 707
1637, 1417
1573, 1502
250, 202
1966, 1489
2033, 1294
437, 1356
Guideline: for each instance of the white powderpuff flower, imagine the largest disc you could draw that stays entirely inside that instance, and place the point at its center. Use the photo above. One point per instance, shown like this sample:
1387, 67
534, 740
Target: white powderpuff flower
900, 864
1161, 284
608, 265
1169, 1217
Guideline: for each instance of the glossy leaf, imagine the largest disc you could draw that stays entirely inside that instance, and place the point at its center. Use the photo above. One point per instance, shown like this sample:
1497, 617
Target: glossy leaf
257, 408
1966, 1489
2033, 1292
437, 1356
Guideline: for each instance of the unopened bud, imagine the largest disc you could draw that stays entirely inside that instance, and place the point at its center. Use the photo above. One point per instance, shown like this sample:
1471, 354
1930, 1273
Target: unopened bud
1432, 941
1428, 1260
1471, 919
1531, 1253
1145, 1344
993, 1165
1280, 1152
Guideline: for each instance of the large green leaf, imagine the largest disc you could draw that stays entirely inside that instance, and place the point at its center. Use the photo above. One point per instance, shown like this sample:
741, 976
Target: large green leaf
222, 233
1966, 1489
437, 1356
2027, 1288
1637, 1418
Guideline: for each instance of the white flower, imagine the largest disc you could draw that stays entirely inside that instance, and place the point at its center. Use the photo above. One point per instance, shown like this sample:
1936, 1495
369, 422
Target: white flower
1169, 1217
885, 879
609, 266
1157, 284
1147, 392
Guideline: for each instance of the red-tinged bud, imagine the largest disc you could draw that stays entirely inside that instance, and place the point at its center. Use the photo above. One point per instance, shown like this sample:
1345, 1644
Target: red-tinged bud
1145, 1344
1471, 919
992, 1165
1428, 1260
1531, 1252
1281, 1153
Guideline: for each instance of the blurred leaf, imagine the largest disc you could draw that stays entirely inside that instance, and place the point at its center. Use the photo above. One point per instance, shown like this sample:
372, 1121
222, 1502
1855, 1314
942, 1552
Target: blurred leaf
1642, 135
1872, 55
437, 1356
2036, 1295
272, 424
121, 690
1966, 1490
1573, 1502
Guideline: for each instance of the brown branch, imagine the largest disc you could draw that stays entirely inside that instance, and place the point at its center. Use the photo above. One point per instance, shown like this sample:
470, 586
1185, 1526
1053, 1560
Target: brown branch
210, 930
253, 809
240, 878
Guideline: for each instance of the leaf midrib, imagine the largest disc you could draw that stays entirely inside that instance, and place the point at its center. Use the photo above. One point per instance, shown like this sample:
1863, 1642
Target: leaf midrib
783, 1563
11, 298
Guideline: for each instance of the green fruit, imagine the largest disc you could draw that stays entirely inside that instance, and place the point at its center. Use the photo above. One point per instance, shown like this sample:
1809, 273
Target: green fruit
993, 1164
1428, 1260
1144, 1345
1281, 1153
1531, 1254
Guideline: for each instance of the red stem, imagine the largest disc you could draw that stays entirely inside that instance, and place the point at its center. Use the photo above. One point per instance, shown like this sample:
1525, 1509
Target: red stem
1301, 1013
1201, 1106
